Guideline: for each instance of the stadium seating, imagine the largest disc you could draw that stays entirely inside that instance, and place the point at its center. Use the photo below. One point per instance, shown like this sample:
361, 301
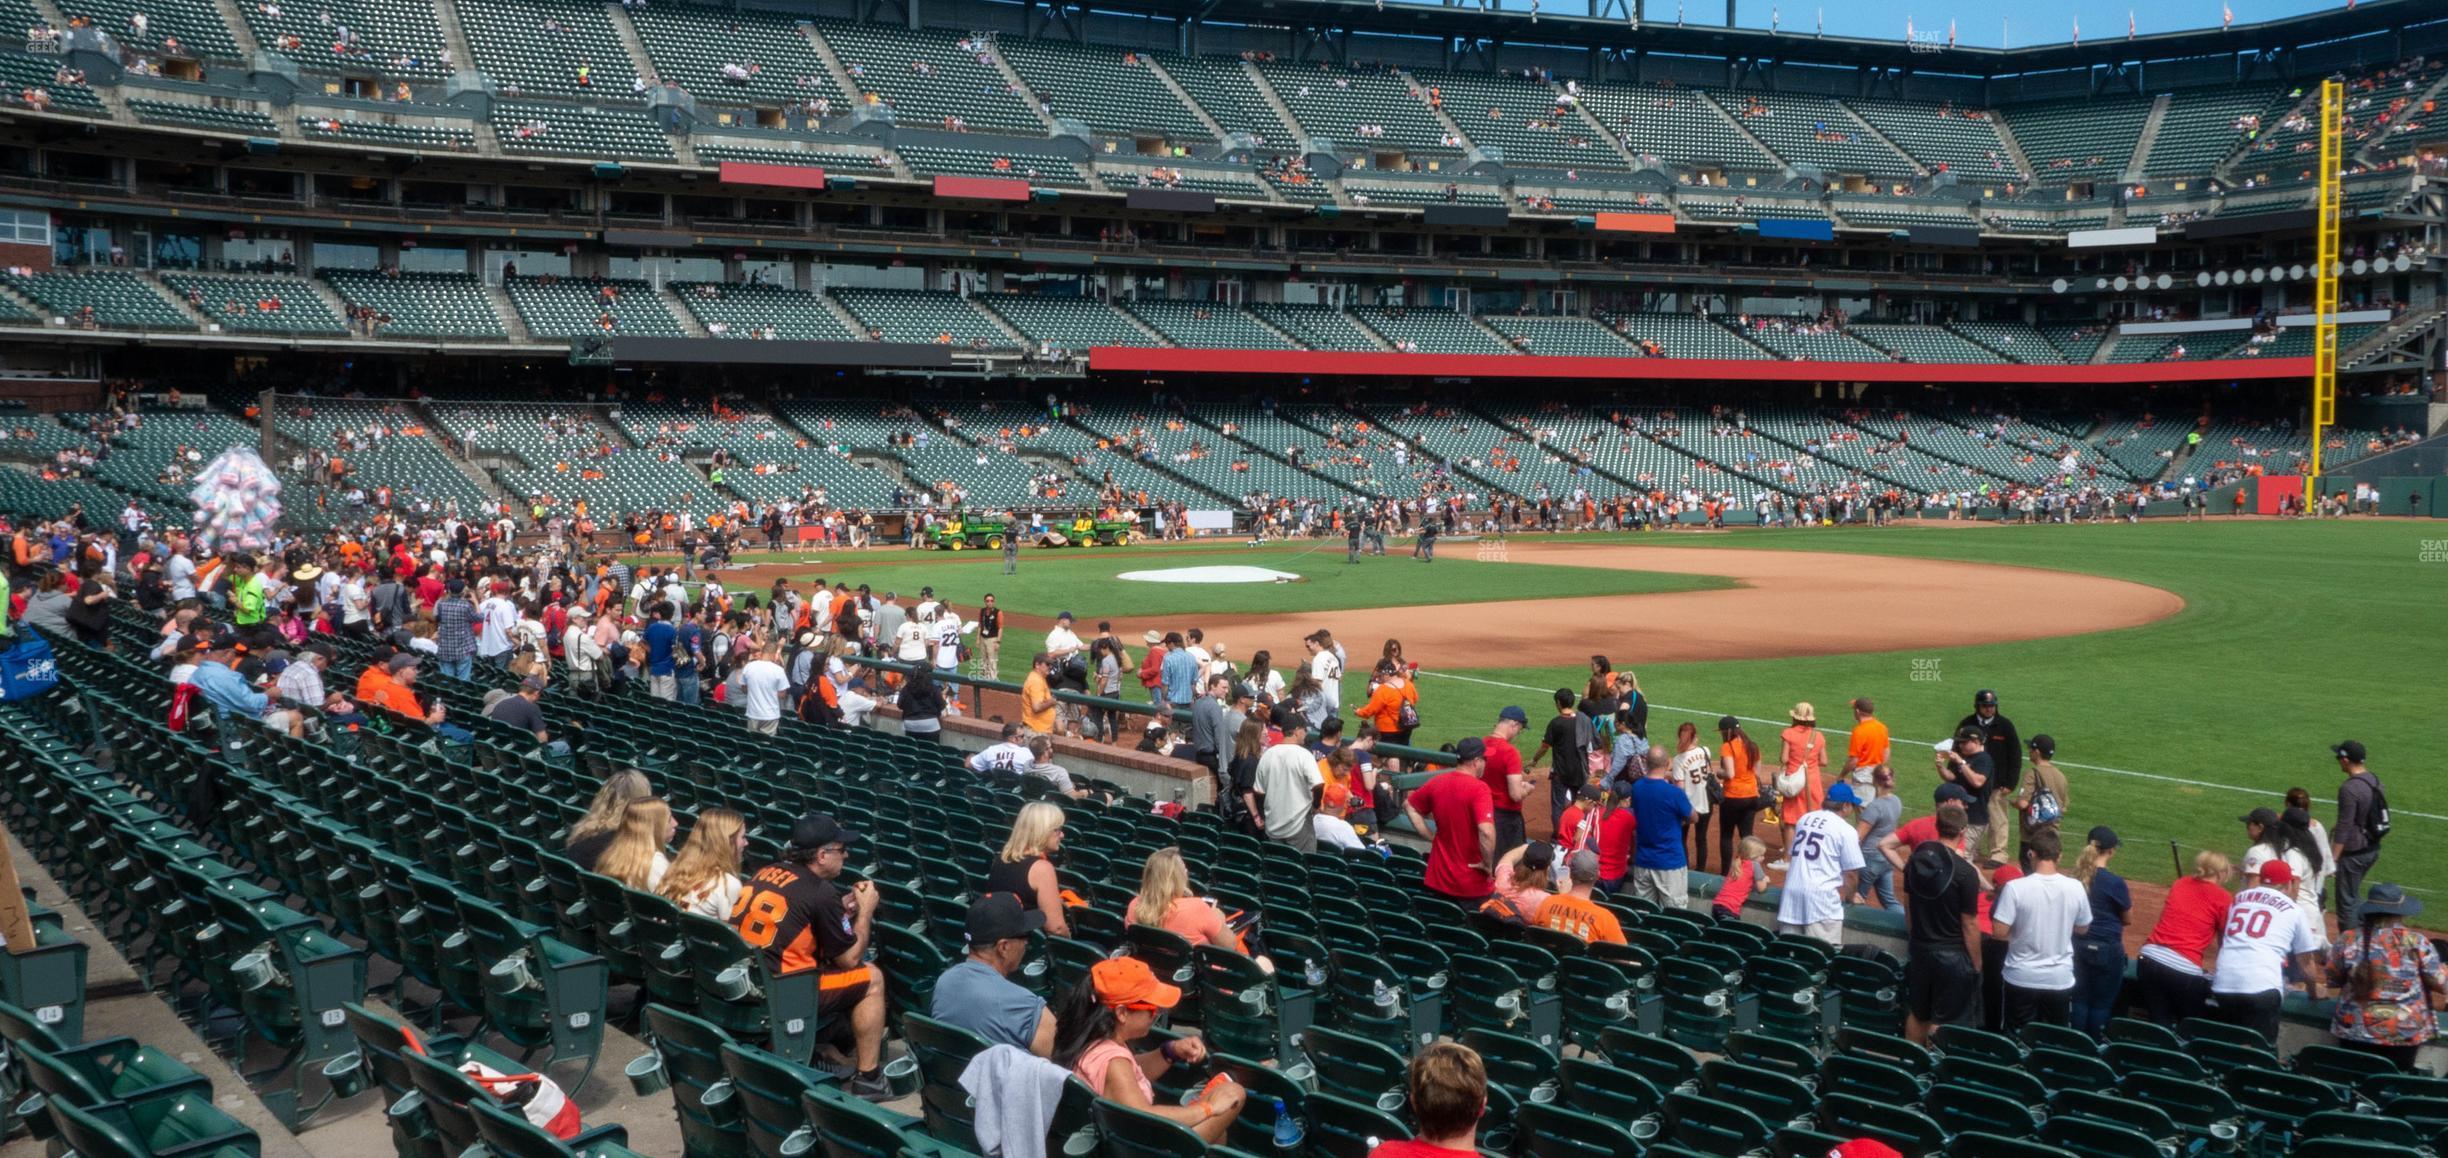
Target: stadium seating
2201, 127
2079, 341
549, 48
980, 477
1319, 327
20, 74
1579, 337
854, 162
1813, 131
1962, 141
572, 307
1952, 441
2016, 341
2131, 348
1364, 192
391, 38
580, 131
1297, 182
1675, 125
625, 480
1206, 325
929, 79
421, 305
1707, 207
1042, 169
760, 311
1002, 430
37, 437
1224, 87
1211, 459
690, 46
1788, 338
1430, 330
329, 128
2079, 140
1521, 116
1922, 343
188, 30
257, 305
142, 460
2296, 342
119, 300
1903, 214
194, 116
390, 446
1072, 323
1685, 336
1336, 103
1240, 184
1100, 88
922, 316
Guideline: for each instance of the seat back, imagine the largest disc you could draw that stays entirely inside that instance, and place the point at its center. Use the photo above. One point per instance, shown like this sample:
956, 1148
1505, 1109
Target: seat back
508, 1134
846, 1127
691, 1051
943, 1052
1340, 1128
448, 1096
770, 1093
1555, 1132
84, 1132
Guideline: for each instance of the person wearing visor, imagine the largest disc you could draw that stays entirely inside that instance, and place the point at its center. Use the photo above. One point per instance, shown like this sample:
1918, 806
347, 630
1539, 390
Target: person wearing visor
1098, 1036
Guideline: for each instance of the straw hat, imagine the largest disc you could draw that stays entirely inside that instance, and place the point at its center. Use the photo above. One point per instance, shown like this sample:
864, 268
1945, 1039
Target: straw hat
1803, 713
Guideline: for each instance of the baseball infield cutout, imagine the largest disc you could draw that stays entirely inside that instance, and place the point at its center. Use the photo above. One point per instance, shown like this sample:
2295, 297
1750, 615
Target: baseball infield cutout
1218, 574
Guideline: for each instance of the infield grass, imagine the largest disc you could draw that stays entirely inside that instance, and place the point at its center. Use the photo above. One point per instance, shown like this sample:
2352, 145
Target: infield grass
1082, 580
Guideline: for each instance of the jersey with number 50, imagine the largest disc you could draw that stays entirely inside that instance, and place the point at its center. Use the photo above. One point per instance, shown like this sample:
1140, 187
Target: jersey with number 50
2264, 928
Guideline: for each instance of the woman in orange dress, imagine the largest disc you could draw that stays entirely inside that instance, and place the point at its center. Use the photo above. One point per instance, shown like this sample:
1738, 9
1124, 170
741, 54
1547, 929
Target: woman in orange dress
1803, 756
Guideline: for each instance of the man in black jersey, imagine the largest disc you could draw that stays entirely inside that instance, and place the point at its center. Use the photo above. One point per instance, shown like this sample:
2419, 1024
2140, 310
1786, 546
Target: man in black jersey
792, 911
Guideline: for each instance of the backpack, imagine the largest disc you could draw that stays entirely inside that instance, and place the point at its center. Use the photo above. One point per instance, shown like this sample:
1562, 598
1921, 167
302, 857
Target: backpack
2376, 818
1407, 716
2044, 808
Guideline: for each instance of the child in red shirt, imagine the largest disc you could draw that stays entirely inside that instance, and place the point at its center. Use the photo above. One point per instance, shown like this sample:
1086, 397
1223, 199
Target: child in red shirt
1742, 882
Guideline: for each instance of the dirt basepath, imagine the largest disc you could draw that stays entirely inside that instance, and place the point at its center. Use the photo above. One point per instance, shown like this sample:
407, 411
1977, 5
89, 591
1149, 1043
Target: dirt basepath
1789, 603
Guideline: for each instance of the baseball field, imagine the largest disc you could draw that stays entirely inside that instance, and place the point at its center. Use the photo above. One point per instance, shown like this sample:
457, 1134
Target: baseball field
2188, 671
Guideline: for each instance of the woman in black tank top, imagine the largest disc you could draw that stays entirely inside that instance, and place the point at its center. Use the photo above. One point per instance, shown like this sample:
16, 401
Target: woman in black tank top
1025, 866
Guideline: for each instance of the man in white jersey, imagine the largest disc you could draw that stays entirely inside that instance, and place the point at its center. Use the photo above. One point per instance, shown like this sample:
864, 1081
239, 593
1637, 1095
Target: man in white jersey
1826, 853
2264, 928
2038, 915
947, 630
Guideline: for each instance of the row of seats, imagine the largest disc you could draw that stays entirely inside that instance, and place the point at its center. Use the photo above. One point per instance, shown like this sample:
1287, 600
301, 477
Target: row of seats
195, 116
393, 38
386, 133
257, 304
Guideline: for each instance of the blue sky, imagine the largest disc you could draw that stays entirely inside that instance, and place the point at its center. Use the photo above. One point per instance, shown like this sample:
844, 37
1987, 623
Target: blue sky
1977, 24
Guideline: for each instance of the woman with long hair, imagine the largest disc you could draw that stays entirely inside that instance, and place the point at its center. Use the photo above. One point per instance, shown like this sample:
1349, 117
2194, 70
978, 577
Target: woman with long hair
922, 706
1393, 651
2300, 800
2099, 953
1265, 684
2171, 982
635, 857
1166, 901
594, 830
1601, 695
1737, 773
1239, 806
2389, 980
1690, 770
1025, 867
705, 877
1096, 1034
1389, 692
2286, 836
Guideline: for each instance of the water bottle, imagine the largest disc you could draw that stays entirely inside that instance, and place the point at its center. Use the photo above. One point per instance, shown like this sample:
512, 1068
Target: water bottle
1288, 1131
1380, 994
1314, 972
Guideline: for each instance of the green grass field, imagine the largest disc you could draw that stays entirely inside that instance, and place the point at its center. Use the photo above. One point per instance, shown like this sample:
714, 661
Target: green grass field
2294, 636
1083, 581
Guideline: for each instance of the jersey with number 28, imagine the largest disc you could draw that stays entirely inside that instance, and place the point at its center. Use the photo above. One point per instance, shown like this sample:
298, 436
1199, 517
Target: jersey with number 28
1825, 846
2264, 928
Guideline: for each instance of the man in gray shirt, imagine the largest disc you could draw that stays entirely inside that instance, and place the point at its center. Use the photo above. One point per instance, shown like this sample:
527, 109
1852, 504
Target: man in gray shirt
1209, 741
2362, 817
977, 995
889, 616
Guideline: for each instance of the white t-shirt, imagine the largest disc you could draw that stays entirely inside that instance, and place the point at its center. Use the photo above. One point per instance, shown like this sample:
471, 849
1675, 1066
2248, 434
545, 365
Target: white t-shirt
2307, 886
2045, 911
1327, 669
495, 617
2264, 928
947, 640
1825, 846
909, 642
1061, 642
763, 681
182, 577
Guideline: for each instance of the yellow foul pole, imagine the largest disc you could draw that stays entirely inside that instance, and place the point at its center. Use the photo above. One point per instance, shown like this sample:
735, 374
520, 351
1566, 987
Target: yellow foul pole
2325, 281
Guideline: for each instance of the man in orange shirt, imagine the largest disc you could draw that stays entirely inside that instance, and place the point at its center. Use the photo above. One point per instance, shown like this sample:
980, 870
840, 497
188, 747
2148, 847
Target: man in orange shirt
1866, 747
1037, 696
1572, 911
390, 692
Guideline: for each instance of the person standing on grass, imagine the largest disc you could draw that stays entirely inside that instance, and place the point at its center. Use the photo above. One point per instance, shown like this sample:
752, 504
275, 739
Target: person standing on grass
1802, 756
2265, 930
2038, 916
2042, 800
2004, 747
1661, 814
1011, 548
1737, 773
990, 639
2099, 954
1569, 738
1966, 765
1866, 746
2363, 819
1506, 783
1457, 814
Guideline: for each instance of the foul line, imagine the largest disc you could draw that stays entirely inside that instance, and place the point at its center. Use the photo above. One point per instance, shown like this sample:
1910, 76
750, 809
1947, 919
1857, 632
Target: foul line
1926, 744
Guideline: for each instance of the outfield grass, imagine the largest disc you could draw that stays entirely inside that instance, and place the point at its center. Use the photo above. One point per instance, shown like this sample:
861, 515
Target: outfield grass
2294, 636
1083, 580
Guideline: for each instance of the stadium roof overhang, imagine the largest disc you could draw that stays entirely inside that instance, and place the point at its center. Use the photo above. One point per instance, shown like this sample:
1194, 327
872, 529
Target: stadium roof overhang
1323, 363
1614, 33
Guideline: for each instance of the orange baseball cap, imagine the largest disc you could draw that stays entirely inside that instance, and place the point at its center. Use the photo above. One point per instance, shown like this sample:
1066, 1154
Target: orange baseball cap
1125, 981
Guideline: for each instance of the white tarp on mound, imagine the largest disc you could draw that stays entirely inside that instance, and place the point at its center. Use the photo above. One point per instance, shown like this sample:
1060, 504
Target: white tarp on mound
1210, 575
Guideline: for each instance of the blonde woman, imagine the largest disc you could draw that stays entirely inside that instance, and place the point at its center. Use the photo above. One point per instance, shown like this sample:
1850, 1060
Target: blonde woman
595, 830
1166, 902
1025, 867
705, 877
635, 857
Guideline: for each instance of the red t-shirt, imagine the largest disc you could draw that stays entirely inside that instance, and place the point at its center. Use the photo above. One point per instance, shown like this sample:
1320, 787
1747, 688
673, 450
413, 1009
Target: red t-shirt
1914, 833
1406, 1148
1458, 804
2195, 912
1736, 891
1997, 881
1615, 839
1503, 762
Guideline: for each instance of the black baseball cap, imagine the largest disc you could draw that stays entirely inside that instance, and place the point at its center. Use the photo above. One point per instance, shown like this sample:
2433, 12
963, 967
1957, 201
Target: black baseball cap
1984, 698
1469, 749
2261, 816
816, 830
2045, 744
2349, 750
999, 917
